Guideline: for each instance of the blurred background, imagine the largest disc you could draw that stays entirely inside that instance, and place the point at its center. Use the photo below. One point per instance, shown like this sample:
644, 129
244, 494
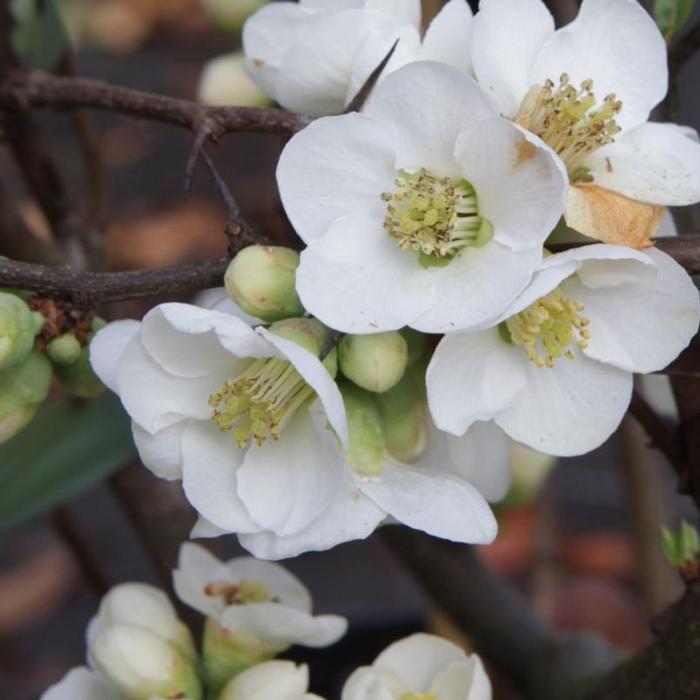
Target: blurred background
579, 537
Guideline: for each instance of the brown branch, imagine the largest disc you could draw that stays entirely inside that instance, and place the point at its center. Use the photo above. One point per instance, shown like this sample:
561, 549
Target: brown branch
41, 91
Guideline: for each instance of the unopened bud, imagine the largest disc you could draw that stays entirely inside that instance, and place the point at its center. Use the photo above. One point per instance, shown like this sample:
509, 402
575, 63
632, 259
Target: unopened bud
311, 335
374, 362
145, 606
273, 680
225, 83
262, 281
19, 326
141, 664
64, 350
367, 449
23, 389
78, 378
230, 15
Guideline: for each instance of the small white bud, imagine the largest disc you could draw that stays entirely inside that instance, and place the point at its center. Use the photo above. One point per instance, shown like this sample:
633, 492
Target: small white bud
272, 680
374, 362
225, 83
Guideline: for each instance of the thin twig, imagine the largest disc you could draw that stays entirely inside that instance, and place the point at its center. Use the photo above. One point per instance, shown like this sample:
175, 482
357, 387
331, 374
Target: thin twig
200, 138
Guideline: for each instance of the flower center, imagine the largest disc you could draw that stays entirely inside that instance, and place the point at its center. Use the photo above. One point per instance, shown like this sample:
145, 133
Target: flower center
241, 593
418, 696
435, 216
548, 329
566, 120
260, 402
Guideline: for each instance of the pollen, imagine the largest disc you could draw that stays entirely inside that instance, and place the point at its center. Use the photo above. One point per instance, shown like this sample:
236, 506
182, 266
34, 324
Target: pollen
241, 593
434, 216
548, 329
260, 402
570, 121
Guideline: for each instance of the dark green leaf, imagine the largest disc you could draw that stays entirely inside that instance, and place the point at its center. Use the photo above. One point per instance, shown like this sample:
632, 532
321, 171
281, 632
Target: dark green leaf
40, 34
65, 450
671, 15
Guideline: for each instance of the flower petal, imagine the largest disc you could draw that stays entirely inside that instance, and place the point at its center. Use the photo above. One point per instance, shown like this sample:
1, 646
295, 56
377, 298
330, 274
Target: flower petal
403, 11
367, 684
356, 279
429, 118
334, 167
197, 567
568, 409
476, 287
520, 185
204, 529
351, 516
418, 659
472, 377
280, 626
470, 675
641, 327
286, 484
448, 38
617, 45
80, 684
654, 163
210, 461
217, 299
438, 504
506, 38
161, 452
107, 349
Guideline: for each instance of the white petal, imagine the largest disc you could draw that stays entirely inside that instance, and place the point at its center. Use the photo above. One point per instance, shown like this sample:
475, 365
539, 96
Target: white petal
568, 409
520, 185
161, 452
418, 659
356, 279
204, 529
476, 287
217, 299
448, 38
654, 163
460, 676
80, 684
334, 167
351, 516
429, 104
472, 377
288, 483
267, 36
210, 461
641, 327
197, 567
438, 504
317, 377
367, 684
506, 38
403, 11
107, 349
270, 680
617, 45
278, 626
316, 70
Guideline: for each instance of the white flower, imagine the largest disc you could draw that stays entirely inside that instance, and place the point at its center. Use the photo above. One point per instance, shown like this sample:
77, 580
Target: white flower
427, 210
225, 83
588, 89
81, 684
314, 56
295, 494
420, 667
556, 373
272, 680
256, 600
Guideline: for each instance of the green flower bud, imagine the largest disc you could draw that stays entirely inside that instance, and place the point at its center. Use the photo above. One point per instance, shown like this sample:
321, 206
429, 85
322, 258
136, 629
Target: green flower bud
311, 335
373, 362
18, 328
262, 281
23, 388
64, 350
98, 323
78, 378
405, 419
225, 655
367, 448
230, 15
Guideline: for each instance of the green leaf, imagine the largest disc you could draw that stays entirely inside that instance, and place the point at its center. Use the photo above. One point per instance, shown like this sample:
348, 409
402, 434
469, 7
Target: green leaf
40, 34
64, 451
681, 548
671, 15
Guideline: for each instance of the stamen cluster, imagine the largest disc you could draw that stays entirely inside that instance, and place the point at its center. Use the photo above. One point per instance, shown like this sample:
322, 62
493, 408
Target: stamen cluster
549, 328
566, 120
241, 593
434, 216
261, 401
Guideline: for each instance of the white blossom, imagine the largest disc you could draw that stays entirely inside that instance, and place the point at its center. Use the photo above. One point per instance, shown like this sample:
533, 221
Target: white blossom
271, 680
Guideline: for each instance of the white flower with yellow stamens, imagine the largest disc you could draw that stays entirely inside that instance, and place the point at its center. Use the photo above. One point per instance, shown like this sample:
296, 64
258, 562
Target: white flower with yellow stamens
587, 90
314, 56
426, 210
556, 372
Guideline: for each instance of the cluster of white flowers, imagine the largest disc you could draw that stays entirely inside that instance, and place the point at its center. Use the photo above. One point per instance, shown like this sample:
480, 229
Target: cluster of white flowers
138, 649
431, 211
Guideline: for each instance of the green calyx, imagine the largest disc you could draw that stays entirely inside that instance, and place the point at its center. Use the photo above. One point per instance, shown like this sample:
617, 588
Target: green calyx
78, 377
19, 326
374, 362
64, 350
310, 334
